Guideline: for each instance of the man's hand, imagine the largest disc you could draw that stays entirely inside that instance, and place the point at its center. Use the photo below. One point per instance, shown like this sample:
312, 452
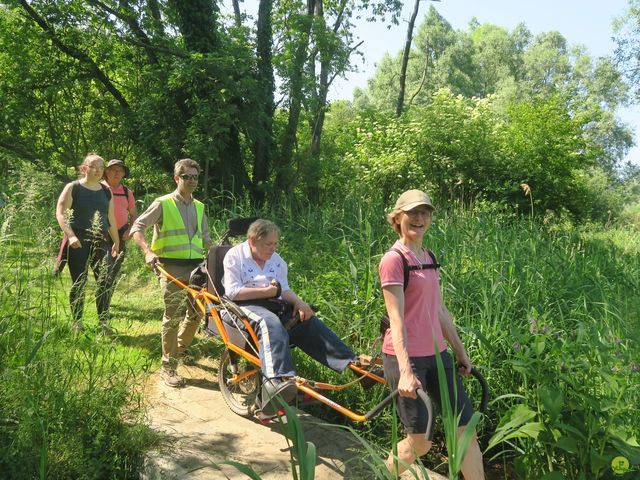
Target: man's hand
304, 310
151, 259
278, 289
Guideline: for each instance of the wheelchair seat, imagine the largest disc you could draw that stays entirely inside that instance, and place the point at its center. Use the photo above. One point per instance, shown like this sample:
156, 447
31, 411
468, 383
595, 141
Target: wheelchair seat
215, 256
215, 267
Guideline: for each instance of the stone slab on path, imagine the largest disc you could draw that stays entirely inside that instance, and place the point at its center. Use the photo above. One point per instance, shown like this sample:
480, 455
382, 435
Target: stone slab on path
200, 431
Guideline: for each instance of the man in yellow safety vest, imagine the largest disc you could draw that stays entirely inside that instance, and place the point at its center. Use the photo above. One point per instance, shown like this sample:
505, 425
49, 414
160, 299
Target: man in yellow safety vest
180, 242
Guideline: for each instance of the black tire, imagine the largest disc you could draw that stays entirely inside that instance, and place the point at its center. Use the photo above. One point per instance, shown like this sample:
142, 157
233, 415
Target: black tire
239, 397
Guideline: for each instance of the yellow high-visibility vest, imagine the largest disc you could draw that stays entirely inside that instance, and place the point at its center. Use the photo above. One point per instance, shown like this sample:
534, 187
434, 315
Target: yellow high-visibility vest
172, 240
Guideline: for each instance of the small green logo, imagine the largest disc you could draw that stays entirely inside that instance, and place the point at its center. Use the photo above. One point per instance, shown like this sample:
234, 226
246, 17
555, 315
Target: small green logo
620, 465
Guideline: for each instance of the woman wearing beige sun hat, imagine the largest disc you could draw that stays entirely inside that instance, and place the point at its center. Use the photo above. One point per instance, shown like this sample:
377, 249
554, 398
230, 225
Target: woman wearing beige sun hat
418, 319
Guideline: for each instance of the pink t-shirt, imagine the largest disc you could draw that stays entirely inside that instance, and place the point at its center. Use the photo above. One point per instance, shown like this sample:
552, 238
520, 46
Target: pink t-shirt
121, 204
421, 303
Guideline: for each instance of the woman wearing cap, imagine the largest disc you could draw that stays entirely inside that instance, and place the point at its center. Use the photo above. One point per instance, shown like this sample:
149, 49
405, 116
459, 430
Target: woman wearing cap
124, 205
418, 317
85, 214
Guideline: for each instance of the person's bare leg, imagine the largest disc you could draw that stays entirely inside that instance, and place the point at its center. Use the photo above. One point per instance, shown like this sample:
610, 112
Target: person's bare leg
409, 449
472, 467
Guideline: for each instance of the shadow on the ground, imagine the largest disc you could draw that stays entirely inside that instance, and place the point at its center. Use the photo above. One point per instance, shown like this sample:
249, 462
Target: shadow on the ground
143, 315
147, 341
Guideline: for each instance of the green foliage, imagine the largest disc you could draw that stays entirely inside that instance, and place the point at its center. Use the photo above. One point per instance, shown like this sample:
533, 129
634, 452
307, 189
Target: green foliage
627, 37
541, 307
152, 82
465, 149
631, 216
456, 446
547, 310
517, 69
68, 406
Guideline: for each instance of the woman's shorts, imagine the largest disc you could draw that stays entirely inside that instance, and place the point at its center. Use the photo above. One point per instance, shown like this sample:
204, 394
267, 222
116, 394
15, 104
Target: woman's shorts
413, 412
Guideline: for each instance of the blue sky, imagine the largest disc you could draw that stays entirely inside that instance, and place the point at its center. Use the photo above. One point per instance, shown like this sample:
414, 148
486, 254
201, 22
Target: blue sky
586, 22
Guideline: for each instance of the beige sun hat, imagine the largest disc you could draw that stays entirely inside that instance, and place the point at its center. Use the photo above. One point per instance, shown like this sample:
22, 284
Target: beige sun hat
412, 199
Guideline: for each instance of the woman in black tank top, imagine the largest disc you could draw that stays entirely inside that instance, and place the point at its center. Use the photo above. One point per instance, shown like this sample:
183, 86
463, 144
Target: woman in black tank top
85, 215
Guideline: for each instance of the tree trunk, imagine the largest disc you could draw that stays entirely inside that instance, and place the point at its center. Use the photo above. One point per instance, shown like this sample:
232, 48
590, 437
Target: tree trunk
197, 22
156, 23
198, 26
319, 103
236, 13
262, 145
405, 58
233, 174
284, 168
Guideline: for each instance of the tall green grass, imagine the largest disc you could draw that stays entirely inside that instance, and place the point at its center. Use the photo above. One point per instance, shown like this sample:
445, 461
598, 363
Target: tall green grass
549, 313
70, 405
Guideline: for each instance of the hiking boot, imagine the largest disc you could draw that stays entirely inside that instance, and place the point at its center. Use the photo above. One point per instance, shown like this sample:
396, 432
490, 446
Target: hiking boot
171, 378
276, 387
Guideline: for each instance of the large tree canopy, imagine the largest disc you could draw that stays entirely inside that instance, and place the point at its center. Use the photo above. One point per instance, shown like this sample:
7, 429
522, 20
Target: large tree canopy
152, 81
514, 66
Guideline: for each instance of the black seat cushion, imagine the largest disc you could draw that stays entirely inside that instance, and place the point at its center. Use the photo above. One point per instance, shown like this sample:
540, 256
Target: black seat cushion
215, 258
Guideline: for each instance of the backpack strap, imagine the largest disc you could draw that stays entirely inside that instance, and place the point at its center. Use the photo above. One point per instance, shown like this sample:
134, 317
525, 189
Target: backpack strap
125, 194
405, 267
408, 268
434, 263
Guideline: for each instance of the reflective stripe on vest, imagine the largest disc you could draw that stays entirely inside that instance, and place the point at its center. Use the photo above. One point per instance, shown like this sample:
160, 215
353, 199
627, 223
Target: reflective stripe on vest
172, 240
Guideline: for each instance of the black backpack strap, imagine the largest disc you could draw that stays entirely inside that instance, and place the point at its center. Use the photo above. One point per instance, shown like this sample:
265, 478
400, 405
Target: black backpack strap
405, 267
124, 194
409, 268
434, 263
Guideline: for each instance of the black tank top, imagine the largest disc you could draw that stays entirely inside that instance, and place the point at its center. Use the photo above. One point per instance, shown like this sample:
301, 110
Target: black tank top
86, 203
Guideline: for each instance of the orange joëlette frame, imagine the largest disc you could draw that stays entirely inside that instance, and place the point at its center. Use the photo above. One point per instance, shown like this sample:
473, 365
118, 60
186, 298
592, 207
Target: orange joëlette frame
207, 302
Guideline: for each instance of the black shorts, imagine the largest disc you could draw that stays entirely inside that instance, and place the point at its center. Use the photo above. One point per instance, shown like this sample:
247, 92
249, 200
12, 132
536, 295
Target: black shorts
413, 412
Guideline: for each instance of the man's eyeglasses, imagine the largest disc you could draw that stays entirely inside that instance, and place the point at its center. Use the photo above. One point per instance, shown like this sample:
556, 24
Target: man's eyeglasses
186, 176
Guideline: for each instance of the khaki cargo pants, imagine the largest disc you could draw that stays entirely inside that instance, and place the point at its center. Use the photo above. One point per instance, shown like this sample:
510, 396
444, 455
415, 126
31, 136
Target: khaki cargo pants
180, 320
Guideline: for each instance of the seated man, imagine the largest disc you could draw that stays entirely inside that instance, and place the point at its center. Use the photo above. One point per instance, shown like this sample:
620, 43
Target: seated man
253, 271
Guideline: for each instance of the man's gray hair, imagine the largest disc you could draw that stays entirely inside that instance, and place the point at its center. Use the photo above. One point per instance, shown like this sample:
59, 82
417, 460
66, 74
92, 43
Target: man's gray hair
261, 228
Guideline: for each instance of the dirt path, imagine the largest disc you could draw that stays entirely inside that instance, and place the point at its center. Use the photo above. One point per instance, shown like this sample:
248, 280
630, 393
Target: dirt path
200, 432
